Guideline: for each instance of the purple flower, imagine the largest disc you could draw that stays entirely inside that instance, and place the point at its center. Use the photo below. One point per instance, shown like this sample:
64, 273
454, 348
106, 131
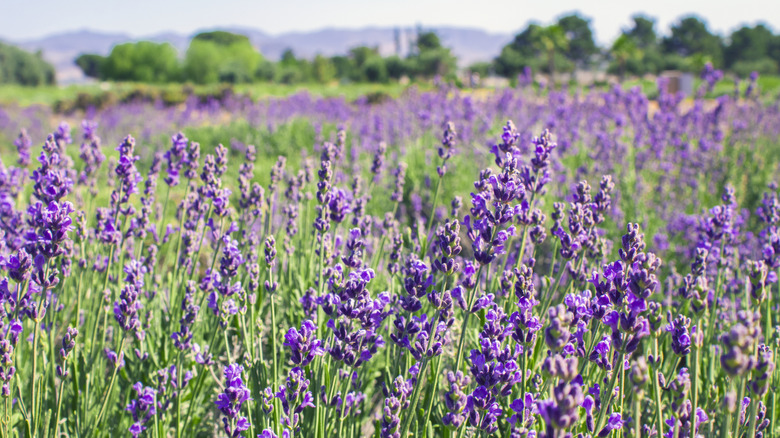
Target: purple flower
142, 408
295, 397
68, 344
615, 422
175, 158
303, 344
126, 310
455, 399
230, 400
681, 337
23, 144
19, 265
129, 177
396, 400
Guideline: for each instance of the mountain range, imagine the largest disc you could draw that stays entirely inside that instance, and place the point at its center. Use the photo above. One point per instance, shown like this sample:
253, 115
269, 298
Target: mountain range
468, 44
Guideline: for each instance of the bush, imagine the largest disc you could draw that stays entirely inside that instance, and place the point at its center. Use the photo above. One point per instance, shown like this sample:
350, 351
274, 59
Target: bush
23, 68
143, 61
764, 66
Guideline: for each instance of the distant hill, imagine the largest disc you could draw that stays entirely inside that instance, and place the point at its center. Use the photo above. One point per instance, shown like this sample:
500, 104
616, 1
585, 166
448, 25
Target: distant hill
469, 45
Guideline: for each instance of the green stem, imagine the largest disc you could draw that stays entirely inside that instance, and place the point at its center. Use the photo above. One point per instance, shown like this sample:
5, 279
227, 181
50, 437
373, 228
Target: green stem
178, 399
436, 375
274, 348
739, 406
201, 376
657, 390
33, 414
110, 385
101, 307
465, 326
59, 408
430, 217
753, 416
227, 346
420, 377
695, 355
610, 390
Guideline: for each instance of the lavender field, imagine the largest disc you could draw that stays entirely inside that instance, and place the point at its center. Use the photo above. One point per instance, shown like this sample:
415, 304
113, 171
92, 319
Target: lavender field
526, 262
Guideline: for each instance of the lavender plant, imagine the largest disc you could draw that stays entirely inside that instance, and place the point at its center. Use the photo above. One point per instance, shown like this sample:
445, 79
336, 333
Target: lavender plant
268, 294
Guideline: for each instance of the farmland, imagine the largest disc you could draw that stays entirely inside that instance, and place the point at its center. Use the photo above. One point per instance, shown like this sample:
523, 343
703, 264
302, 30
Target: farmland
391, 261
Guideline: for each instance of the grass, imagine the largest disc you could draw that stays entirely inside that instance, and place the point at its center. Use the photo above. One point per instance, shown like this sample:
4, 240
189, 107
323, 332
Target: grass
56, 95
51, 95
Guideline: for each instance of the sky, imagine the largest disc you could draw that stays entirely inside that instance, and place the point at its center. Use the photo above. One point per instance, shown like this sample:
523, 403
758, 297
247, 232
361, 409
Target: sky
29, 19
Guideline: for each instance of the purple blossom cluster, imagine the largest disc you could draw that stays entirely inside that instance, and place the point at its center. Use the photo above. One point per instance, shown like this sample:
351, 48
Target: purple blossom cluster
357, 295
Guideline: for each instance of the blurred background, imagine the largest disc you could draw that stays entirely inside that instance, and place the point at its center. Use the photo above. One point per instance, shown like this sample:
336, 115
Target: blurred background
83, 49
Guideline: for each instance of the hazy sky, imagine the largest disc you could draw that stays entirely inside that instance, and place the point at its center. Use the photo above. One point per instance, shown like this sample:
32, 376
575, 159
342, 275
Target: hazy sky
25, 19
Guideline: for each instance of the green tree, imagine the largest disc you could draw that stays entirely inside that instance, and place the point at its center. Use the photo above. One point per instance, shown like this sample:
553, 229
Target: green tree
375, 69
579, 37
202, 62
541, 48
643, 36
691, 37
344, 67
431, 58
623, 50
24, 68
222, 57
323, 69
396, 67
480, 68
428, 41
553, 40
90, 64
290, 69
143, 61
749, 44
222, 38
643, 32
266, 71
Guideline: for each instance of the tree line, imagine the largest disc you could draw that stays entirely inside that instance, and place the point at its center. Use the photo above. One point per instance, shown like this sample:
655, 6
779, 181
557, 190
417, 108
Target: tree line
568, 44
563, 46
225, 57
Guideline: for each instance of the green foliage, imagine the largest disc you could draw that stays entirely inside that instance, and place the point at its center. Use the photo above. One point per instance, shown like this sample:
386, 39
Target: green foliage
292, 70
624, 49
542, 48
433, 62
691, 37
428, 41
323, 70
396, 67
266, 71
224, 57
643, 32
579, 36
143, 61
637, 49
23, 68
375, 70
752, 49
222, 38
343, 66
511, 61
431, 58
91, 64
764, 66
480, 68
210, 61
